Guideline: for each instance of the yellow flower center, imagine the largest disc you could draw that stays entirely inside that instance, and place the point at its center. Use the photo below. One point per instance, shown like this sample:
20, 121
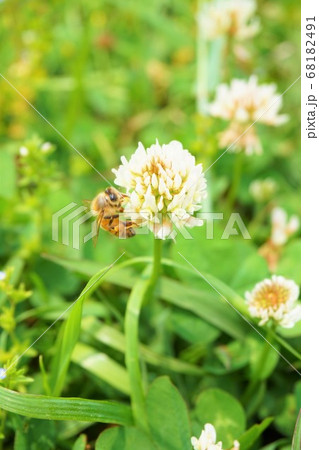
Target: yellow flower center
271, 296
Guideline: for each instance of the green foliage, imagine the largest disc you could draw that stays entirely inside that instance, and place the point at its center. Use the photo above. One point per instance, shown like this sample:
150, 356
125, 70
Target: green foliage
80, 443
167, 416
250, 436
127, 438
34, 434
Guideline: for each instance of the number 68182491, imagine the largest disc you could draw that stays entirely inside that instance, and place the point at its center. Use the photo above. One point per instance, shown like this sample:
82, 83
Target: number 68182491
310, 47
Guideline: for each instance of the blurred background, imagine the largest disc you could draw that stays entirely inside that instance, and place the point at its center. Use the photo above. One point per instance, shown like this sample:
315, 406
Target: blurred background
107, 74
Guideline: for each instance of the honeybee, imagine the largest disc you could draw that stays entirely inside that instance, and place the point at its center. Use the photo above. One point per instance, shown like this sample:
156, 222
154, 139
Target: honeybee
107, 206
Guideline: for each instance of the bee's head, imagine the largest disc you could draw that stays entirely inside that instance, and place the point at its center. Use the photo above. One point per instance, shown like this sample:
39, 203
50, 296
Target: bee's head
114, 196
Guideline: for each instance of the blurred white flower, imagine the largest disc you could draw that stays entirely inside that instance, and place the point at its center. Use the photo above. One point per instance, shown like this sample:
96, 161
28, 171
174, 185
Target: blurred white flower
2, 275
23, 151
46, 147
232, 17
165, 185
243, 103
3, 373
263, 190
282, 229
207, 440
276, 299
238, 137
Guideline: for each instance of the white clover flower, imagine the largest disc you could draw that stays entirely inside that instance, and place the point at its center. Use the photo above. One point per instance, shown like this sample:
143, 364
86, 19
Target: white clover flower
282, 229
2, 275
46, 147
232, 17
263, 190
207, 440
23, 151
276, 299
166, 187
3, 373
243, 103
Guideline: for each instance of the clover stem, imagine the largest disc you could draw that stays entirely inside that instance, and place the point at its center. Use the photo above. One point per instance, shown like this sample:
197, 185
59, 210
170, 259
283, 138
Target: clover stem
156, 267
238, 165
142, 289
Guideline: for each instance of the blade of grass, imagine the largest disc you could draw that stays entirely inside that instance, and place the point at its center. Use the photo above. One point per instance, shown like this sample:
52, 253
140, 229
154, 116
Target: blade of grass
53, 408
132, 361
69, 334
116, 340
102, 366
296, 440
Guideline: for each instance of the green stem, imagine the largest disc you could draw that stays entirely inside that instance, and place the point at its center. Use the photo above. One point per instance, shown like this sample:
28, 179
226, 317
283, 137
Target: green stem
202, 74
141, 290
238, 165
227, 58
258, 374
285, 344
156, 267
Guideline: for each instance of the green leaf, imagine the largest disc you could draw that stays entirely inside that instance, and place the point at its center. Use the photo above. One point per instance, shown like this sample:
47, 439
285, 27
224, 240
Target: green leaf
80, 443
102, 366
209, 305
193, 329
247, 439
296, 440
285, 420
167, 415
54, 408
34, 434
224, 412
251, 271
225, 259
280, 444
127, 438
228, 358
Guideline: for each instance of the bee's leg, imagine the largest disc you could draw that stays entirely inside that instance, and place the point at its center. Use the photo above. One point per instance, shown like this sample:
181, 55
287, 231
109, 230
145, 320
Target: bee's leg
130, 232
125, 229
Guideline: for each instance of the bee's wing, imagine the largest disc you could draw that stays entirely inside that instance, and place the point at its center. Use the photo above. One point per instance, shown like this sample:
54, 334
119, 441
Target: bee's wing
98, 226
